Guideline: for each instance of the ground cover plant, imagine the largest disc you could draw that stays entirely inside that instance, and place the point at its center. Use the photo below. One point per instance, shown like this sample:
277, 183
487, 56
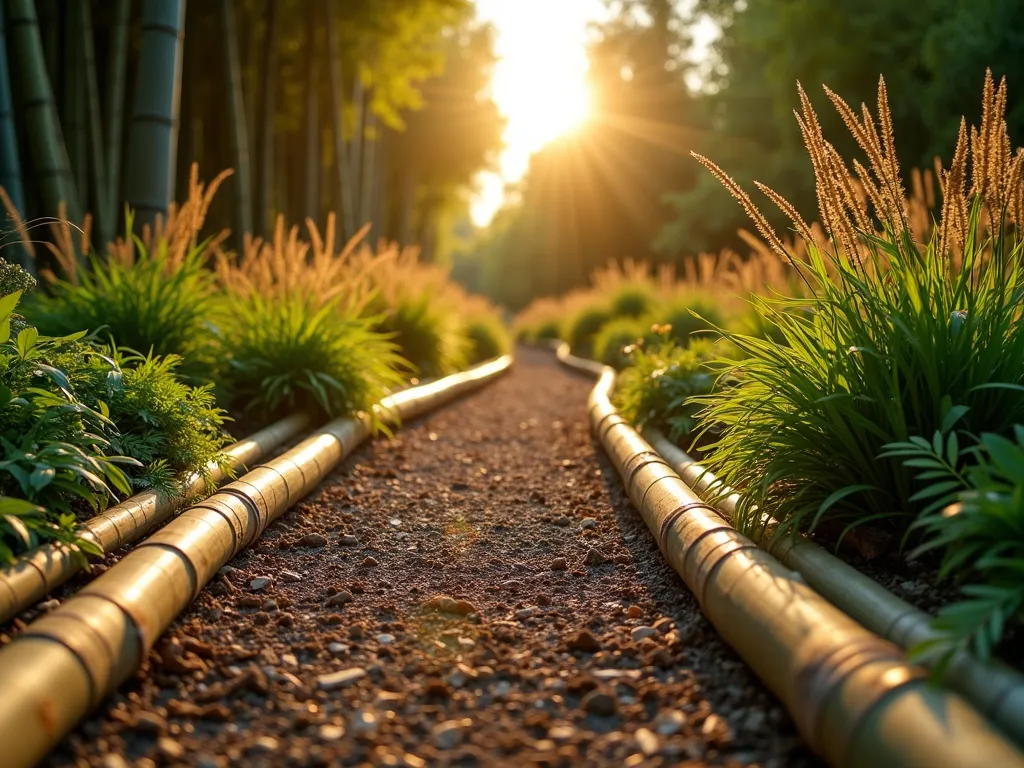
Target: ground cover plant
56, 453
657, 387
900, 333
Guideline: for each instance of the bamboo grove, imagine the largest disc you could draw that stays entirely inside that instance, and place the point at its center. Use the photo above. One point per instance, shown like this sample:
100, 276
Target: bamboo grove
317, 106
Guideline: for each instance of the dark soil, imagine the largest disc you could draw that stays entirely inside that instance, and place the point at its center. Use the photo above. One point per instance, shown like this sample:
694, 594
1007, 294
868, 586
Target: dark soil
477, 591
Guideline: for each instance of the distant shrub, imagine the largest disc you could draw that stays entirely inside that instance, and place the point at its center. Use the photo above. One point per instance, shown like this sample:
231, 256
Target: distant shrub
614, 342
488, 337
633, 300
583, 326
690, 317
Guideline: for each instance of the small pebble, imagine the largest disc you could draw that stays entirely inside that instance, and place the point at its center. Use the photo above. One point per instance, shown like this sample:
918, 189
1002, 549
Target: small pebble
365, 722
448, 735
313, 540
600, 703
595, 558
670, 723
385, 639
290, 577
587, 523
259, 583
641, 633
369, 562
340, 679
331, 732
170, 749
584, 641
264, 744
348, 540
647, 741
559, 564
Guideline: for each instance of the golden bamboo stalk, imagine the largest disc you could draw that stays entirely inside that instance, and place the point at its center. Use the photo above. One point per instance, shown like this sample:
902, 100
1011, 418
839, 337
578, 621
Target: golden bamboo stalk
64, 663
994, 688
36, 574
852, 695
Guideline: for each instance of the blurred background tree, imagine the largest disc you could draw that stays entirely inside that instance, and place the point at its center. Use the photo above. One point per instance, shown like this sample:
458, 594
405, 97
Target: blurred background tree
624, 184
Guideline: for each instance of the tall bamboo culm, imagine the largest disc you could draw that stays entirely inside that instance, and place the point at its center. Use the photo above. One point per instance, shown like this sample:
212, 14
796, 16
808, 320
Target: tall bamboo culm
50, 166
153, 138
10, 165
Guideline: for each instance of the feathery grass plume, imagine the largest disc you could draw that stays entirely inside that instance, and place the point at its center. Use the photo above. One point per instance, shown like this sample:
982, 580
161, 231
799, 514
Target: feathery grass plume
287, 264
897, 332
766, 230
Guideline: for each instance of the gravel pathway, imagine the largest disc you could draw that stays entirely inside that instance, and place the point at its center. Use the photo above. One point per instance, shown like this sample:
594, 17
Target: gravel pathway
477, 591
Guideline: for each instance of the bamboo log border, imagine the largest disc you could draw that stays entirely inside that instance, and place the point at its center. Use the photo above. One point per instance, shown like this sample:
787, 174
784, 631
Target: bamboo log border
37, 573
66, 662
853, 696
994, 688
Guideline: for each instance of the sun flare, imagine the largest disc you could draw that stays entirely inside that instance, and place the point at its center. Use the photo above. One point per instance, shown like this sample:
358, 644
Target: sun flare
539, 83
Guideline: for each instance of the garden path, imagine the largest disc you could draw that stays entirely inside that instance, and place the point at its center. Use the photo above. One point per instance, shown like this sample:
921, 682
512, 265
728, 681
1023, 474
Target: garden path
477, 591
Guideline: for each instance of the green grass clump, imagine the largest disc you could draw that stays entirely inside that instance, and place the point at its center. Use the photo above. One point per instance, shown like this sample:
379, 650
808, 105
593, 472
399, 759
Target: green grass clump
657, 387
488, 337
690, 317
160, 302
904, 332
427, 332
290, 353
617, 337
583, 326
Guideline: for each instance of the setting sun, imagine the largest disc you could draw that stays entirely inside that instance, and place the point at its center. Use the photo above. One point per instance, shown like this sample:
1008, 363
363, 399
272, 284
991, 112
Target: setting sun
540, 82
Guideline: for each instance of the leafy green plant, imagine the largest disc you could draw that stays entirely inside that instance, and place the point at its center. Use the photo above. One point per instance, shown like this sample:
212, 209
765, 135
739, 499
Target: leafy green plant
288, 353
583, 326
173, 429
618, 335
426, 331
56, 453
975, 517
14, 279
658, 386
894, 323
158, 301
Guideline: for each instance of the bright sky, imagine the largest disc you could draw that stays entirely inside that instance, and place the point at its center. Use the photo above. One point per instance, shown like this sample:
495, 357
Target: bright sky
539, 81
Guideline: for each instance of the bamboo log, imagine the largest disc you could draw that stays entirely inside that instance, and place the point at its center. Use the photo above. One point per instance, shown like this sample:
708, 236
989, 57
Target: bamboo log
852, 694
63, 664
36, 574
995, 689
